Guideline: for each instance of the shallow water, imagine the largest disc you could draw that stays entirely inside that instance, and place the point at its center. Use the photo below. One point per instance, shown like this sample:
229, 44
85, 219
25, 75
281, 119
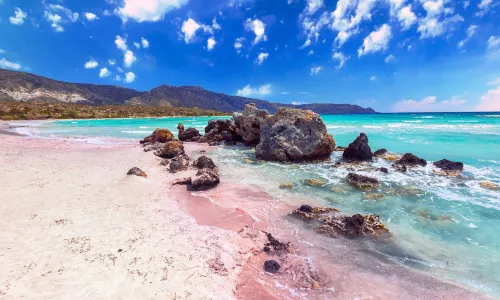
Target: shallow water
444, 226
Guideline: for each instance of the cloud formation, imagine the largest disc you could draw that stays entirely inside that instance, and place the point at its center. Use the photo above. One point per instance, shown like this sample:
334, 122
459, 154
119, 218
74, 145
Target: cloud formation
19, 17
91, 64
248, 91
5, 64
147, 10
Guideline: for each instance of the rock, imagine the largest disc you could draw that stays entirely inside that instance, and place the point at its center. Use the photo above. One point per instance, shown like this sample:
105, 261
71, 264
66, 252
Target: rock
165, 162
383, 170
137, 172
205, 179
249, 122
277, 246
188, 135
411, 160
361, 181
294, 135
358, 150
449, 167
315, 182
248, 161
374, 196
306, 208
153, 147
179, 163
171, 149
182, 181
286, 185
489, 185
308, 212
391, 157
203, 162
158, 136
271, 266
339, 149
219, 131
380, 152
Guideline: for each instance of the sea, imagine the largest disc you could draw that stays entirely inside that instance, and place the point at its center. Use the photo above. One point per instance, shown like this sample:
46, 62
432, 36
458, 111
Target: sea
447, 227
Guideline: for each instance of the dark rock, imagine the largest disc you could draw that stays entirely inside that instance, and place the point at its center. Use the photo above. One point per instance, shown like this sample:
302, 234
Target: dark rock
309, 213
271, 266
383, 170
361, 181
137, 172
306, 208
248, 123
277, 246
205, 179
179, 163
165, 162
120, 250
380, 152
448, 165
294, 135
411, 160
214, 132
358, 150
354, 226
267, 249
182, 181
158, 136
188, 135
203, 162
339, 149
171, 149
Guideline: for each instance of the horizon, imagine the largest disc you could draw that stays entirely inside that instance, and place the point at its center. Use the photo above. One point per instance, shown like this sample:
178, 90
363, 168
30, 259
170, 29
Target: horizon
394, 56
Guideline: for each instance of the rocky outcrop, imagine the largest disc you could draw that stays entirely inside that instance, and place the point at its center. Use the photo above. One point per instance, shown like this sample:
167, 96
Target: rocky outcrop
205, 179
410, 160
158, 136
358, 150
448, 165
248, 123
220, 131
380, 152
294, 135
361, 181
203, 162
188, 135
179, 163
171, 149
137, 172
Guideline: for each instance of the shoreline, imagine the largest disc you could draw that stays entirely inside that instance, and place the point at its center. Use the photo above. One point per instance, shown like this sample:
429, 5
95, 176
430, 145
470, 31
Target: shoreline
237, 252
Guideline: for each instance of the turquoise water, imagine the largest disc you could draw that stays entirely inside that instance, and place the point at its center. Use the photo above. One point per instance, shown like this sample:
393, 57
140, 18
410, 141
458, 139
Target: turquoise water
446, 226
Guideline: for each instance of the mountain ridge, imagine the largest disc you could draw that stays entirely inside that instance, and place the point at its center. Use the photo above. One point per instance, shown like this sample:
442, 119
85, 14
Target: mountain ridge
22, 86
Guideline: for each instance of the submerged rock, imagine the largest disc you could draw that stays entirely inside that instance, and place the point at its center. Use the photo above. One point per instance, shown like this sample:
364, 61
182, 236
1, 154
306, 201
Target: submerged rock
179, 163
380, 152
158, 136
411, 160
188, 135
286, 185
315, 182
137, 172
203, 162
205, 179
294, 135
361, 181
359, 150
171, 149
248, 123
374, 196
489, 185
271, 266
308, 212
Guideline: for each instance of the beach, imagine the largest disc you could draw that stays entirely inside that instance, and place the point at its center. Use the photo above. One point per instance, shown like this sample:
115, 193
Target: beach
76, 226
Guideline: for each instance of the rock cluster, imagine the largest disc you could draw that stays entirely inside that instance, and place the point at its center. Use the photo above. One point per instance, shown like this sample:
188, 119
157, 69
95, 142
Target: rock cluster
220, 131
359, 150
188, 135
294, 135
207, 176
248, 123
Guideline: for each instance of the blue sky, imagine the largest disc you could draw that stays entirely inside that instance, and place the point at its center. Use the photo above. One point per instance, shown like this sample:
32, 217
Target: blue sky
392, 55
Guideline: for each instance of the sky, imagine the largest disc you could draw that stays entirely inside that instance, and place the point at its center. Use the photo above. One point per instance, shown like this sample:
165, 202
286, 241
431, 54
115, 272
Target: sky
391, 55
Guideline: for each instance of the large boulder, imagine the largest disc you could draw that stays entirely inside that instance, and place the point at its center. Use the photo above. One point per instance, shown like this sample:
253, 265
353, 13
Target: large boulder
205, 179
219, 131
188, 135
158, 136
179, 163
248, 123
358, 150
410, 160
203, 162
294, 135
171, 149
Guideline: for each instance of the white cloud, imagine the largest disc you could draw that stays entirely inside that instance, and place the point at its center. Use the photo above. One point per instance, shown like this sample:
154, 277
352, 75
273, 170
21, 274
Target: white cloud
491, 100
2, 51
316, 70
137, 45
342, 37
390, 59
494, 82
19, 17
312, 28
118, 78
129, 58
298, 103
376, 41
104, 73
5, 64
58, 15
493, 44
145, 43
313, 6
211, 43
341, 58
91, 64
189, 29
406, 17
147, 10
91, 16
238, 44
130, 77
248, 91
483, 7
429, 104
433, 27
121, 43
111, 62
396, 5
261, 57
373, 78
258, 28
470, 33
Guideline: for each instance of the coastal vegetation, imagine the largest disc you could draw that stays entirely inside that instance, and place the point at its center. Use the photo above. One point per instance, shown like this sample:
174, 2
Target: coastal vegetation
10, 110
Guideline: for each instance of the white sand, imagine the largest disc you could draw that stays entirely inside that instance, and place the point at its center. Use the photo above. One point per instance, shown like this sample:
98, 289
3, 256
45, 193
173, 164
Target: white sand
66, 208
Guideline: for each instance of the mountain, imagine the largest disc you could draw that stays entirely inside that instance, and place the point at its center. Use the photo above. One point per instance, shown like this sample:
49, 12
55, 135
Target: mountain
20, 86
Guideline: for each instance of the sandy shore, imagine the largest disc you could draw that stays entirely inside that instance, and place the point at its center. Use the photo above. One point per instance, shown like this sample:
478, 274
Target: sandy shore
75, 226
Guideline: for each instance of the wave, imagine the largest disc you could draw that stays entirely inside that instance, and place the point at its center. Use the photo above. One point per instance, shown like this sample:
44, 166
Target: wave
488, 116
135, 132
144, 127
